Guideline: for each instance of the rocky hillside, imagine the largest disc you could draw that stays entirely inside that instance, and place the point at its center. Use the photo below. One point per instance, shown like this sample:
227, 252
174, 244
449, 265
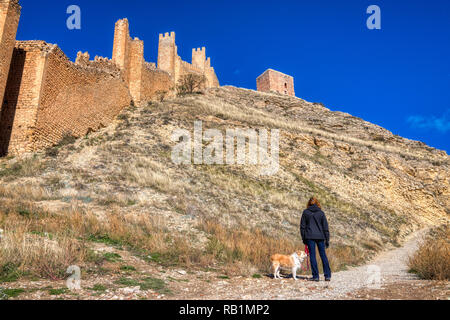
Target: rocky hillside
375, 187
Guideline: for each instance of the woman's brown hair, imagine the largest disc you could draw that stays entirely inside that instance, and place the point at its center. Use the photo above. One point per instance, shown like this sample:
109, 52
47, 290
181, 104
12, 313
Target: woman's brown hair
314, 201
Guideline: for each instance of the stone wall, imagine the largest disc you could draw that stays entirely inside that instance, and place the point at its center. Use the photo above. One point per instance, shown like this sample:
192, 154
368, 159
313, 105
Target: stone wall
22, 95
154, 80
275, 81
46, 96
142, 77
170, 61
76, 100
9, 20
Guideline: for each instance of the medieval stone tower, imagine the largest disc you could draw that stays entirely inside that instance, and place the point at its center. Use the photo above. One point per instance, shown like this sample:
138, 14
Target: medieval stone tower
167, 53
169, 61
128, 55
199, 58
275, 81
9, 21
121, 46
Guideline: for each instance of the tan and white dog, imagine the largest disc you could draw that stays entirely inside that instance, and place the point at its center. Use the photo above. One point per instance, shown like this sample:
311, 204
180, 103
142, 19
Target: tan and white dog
294, 261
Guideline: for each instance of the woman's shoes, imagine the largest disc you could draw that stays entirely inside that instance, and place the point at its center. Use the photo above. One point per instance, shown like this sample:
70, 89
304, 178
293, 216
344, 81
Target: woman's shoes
317, 280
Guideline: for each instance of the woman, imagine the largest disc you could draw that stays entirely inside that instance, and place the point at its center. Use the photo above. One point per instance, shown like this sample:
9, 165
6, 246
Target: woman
314, 231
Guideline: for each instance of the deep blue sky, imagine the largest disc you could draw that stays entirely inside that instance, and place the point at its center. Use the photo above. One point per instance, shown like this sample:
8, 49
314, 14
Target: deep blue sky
397, 77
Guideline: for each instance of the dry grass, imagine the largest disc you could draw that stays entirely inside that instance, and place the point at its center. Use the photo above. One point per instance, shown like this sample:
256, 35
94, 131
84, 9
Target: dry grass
26, 191
44, 244
243, 245
236, 183
240, 248
432, 260
27, 252
149, 174
205, 105
27, 167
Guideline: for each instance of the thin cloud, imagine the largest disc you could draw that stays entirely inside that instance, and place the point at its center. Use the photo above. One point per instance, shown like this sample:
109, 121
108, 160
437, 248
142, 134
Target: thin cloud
441, 124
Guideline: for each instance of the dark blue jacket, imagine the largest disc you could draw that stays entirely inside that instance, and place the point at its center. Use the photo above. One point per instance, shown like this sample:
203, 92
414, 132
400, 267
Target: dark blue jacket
314, 225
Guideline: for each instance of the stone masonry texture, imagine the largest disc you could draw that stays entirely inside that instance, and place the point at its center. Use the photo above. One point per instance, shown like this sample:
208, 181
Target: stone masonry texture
45, 96
9, 20
275, 81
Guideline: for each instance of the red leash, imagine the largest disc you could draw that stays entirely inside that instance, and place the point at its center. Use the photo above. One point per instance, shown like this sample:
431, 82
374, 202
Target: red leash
307, 259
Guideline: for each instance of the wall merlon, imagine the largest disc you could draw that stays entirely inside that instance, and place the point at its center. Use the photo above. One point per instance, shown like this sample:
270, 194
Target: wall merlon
167, 37
123, 21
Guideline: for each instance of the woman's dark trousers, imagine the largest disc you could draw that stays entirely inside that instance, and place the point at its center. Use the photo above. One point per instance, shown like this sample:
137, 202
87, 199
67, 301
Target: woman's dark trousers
323, 255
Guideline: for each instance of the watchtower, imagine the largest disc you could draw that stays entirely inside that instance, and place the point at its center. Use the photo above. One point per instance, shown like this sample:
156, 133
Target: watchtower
275, 81
167, 53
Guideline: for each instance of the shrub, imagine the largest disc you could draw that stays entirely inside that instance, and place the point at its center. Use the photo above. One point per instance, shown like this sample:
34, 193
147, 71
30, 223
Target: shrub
161, 95
67, 139
190, 83
432, 260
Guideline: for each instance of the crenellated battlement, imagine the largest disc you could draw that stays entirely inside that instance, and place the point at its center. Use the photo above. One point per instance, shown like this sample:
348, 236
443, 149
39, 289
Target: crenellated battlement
167, 37
47, 96
199, 50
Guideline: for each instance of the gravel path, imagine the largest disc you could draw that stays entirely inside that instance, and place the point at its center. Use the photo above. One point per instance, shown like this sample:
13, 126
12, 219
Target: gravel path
388, 267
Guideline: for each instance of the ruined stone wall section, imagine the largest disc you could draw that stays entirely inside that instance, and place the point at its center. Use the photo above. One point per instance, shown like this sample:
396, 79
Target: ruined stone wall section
99, 63
76, 100
211, 78
145, 79
154, 80
187, 68
9, 21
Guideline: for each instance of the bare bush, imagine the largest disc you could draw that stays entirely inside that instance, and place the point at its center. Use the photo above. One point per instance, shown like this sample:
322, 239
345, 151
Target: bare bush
161, 95
190, 83
432, 260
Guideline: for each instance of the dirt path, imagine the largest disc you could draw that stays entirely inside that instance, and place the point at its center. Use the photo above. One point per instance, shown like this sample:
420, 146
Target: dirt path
389, 267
